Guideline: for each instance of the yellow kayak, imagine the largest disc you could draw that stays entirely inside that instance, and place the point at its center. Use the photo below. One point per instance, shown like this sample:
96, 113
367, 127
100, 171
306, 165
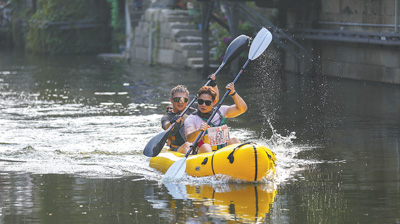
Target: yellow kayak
248, 162
247, 201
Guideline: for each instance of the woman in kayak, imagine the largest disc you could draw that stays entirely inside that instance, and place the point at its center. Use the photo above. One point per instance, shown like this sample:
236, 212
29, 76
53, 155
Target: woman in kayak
217, 132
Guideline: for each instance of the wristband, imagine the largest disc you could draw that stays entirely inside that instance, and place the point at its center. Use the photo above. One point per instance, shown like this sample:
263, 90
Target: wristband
234, 93
213, 83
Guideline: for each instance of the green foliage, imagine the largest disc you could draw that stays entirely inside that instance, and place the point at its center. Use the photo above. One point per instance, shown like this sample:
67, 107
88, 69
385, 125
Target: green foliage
54, 27
221, 37
19, 15
115, 17
117, 23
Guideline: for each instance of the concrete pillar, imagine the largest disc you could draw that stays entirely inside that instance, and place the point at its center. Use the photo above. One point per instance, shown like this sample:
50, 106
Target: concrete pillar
205, 18
396, 16
234, 29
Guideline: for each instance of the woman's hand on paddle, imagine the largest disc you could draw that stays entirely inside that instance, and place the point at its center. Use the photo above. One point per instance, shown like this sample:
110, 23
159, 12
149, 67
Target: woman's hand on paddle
230, 87
204, 126
213, 84
212, 76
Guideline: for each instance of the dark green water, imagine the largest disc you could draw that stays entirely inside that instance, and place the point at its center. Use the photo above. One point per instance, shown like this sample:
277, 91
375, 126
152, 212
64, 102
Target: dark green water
72, 131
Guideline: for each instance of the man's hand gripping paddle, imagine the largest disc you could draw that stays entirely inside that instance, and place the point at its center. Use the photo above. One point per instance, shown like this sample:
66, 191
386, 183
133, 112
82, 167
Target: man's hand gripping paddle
156, 144
258, 46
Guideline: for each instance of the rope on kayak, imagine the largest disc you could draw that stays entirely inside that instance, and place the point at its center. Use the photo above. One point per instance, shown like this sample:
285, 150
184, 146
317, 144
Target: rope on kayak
230, 156
270, 157
212, 162
256, 162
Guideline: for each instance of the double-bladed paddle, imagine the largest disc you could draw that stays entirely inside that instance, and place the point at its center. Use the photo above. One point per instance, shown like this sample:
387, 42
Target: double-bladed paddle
156, 144
258, 46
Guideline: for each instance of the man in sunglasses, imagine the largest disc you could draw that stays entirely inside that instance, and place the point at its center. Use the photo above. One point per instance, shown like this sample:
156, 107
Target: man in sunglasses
179, 96
216, 134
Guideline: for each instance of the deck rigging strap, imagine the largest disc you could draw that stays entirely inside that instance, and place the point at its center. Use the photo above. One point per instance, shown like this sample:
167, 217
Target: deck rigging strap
212, 162
256, 163
230, 156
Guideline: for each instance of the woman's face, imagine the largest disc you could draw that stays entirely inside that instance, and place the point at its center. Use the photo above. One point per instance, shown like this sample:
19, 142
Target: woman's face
203, 100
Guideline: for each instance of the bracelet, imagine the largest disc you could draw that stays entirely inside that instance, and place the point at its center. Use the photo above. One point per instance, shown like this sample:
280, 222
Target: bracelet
213, 83
234, 93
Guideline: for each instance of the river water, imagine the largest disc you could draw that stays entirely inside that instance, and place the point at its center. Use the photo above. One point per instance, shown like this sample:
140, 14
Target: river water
73, 128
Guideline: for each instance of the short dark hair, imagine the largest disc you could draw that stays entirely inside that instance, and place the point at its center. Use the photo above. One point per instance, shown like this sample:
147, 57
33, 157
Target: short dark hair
207, 90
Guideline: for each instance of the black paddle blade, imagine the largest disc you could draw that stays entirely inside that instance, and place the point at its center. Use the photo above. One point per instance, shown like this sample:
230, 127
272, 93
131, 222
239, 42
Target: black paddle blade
156, 144
237, 46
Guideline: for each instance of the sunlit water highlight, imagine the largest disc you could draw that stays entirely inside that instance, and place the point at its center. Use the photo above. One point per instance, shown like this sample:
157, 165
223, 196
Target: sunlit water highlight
51, 138
68, 128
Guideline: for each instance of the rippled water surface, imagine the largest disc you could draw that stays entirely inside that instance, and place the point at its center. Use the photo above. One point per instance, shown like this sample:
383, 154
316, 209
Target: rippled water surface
73, 128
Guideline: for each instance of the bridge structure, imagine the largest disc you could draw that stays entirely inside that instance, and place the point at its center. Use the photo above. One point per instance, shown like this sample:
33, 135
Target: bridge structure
179, 41
357, 39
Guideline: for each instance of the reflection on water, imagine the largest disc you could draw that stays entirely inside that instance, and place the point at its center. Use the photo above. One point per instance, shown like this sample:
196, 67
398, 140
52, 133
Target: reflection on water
73, 129
63, 199
239, 202
244, 203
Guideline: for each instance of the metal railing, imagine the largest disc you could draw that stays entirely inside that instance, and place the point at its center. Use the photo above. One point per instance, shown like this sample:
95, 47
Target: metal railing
279, 37
390, 39
128, 30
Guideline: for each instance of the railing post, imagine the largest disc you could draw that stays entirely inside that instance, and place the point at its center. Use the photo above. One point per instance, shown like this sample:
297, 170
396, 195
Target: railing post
233, 20
128, 30
151, 43
205, 35
396, 16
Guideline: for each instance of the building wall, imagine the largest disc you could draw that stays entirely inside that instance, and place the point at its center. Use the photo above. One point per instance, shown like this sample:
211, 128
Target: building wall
358, 11
353, 59
361, 61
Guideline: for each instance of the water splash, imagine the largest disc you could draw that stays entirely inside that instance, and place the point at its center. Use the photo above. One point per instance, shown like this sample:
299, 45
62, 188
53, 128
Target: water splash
277, 140
286, 151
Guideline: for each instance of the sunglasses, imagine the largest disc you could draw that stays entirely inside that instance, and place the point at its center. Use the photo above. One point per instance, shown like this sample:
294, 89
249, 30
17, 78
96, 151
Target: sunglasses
207, 102
178, 99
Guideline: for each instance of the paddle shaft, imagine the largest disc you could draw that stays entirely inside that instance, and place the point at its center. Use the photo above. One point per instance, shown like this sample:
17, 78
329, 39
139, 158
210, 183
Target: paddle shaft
194, 145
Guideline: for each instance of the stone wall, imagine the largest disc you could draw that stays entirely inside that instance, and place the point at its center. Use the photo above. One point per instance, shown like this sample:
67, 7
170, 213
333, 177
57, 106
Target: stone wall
352, 58
355, 60
361, 61
358, 11
165, 50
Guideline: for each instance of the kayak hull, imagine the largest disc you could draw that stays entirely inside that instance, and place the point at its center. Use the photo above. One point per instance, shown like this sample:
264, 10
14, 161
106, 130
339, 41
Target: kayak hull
249, 162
